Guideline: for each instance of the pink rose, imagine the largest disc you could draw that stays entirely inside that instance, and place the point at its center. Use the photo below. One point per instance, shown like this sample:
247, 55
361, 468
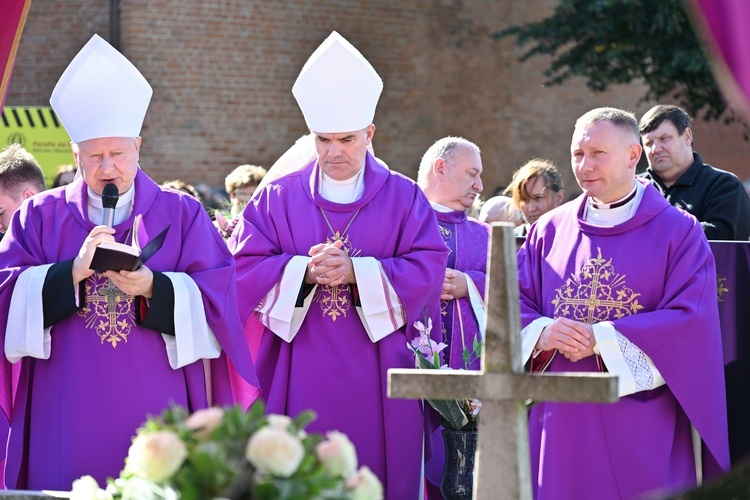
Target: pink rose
203, 422
156, 456
364, 485
337, 455
274, 451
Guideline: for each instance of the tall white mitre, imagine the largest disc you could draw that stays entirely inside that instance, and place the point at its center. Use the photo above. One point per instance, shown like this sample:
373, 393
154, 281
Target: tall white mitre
101, 94
337, 89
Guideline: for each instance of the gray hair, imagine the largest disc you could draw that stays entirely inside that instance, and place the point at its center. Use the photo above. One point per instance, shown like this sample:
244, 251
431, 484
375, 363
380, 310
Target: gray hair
623, 120
445, 148
500, 209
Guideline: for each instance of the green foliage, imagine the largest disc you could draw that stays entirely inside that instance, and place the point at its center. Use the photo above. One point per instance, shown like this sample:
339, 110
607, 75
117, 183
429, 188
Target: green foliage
452, 415
469, 355
617, 41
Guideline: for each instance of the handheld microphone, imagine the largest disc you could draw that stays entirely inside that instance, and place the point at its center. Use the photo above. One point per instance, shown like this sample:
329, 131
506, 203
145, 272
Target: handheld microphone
110, 195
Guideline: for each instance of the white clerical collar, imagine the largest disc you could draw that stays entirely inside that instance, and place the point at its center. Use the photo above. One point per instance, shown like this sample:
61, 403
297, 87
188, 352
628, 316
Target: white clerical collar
123, 209
612, 214
346, 191
617, 203
440, 208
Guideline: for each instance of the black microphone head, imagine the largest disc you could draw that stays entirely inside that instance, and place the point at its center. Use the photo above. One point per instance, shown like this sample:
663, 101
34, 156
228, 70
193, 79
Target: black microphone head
110, 195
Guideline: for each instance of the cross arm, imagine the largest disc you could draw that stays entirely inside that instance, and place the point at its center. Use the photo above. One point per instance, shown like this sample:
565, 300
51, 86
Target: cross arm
573, 387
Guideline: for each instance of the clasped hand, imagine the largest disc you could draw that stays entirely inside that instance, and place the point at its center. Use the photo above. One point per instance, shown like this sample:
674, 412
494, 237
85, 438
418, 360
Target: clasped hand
140, 282
454, 285
329, 265
573, 339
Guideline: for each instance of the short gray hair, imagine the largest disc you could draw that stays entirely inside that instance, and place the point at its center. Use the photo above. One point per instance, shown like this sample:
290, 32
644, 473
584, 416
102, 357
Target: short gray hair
444, 148
623, 120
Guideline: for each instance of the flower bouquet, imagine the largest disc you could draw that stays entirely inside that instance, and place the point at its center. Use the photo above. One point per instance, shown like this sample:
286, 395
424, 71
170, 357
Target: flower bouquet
455, 414
225, 224
230, 453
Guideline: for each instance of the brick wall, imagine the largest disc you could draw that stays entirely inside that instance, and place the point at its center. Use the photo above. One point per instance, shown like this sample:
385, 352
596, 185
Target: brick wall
222, 72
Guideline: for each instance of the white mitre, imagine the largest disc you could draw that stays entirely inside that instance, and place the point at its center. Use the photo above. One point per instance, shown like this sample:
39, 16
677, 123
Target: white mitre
337, 89
101, 94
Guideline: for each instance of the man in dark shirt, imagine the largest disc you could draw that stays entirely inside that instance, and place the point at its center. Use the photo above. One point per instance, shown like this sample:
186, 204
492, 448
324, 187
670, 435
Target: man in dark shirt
715, 197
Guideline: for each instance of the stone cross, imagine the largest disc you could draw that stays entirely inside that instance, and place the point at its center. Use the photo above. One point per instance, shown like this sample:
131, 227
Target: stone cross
502, 462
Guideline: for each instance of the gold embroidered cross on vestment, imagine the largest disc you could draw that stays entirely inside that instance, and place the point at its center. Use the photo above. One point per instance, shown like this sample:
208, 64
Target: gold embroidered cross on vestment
105, 303
333, 301
597, 294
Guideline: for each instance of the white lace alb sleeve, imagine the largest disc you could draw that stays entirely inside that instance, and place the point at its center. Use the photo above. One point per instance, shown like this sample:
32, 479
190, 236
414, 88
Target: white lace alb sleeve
381, 312
277, 310
530, 336
636, 372
195, 339
25, 334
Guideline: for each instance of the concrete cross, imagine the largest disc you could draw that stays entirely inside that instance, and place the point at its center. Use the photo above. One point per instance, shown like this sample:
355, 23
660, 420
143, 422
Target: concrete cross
502, 462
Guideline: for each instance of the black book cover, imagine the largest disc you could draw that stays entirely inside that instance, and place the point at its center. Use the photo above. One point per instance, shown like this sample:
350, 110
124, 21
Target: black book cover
112, 256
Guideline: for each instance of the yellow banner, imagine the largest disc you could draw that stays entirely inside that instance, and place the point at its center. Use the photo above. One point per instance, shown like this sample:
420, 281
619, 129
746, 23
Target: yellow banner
39, 131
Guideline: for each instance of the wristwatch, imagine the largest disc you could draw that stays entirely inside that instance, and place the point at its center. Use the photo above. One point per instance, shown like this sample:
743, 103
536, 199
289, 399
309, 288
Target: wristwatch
596, 350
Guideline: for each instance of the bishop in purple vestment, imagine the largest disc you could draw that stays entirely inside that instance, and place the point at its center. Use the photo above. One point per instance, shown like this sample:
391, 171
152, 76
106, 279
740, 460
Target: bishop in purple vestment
88, 355
588, 304
338, 260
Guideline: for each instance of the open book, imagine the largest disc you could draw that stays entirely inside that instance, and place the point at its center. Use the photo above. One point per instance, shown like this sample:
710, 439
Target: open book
113, 256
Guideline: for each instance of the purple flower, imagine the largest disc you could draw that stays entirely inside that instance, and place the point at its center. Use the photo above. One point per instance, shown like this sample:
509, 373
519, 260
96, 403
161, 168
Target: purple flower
424, 344
474, 405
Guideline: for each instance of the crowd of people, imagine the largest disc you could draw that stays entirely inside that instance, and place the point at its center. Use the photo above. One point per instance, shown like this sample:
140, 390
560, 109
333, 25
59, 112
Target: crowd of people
305, 289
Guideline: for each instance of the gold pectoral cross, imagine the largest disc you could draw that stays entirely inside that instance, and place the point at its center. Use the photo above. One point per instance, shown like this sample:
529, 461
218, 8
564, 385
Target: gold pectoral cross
333, 302
104, 304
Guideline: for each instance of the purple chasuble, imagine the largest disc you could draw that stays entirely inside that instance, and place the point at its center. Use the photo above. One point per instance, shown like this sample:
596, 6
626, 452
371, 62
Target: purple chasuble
664, 301
331, 366
467, 241
76, 413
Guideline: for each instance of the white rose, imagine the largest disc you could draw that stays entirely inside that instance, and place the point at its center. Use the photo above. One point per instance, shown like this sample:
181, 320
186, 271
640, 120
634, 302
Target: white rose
337, 454
280, 422
364, 485
156, 456
86, 488
203, 422
274, 451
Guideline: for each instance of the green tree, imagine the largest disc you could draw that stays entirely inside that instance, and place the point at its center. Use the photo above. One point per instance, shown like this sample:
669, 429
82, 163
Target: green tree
617, 41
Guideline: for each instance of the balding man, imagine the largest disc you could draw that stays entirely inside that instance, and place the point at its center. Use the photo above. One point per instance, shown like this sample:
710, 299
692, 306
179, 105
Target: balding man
450, 176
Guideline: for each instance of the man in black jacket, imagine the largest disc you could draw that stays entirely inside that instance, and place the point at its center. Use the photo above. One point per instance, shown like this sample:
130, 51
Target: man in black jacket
715, 197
